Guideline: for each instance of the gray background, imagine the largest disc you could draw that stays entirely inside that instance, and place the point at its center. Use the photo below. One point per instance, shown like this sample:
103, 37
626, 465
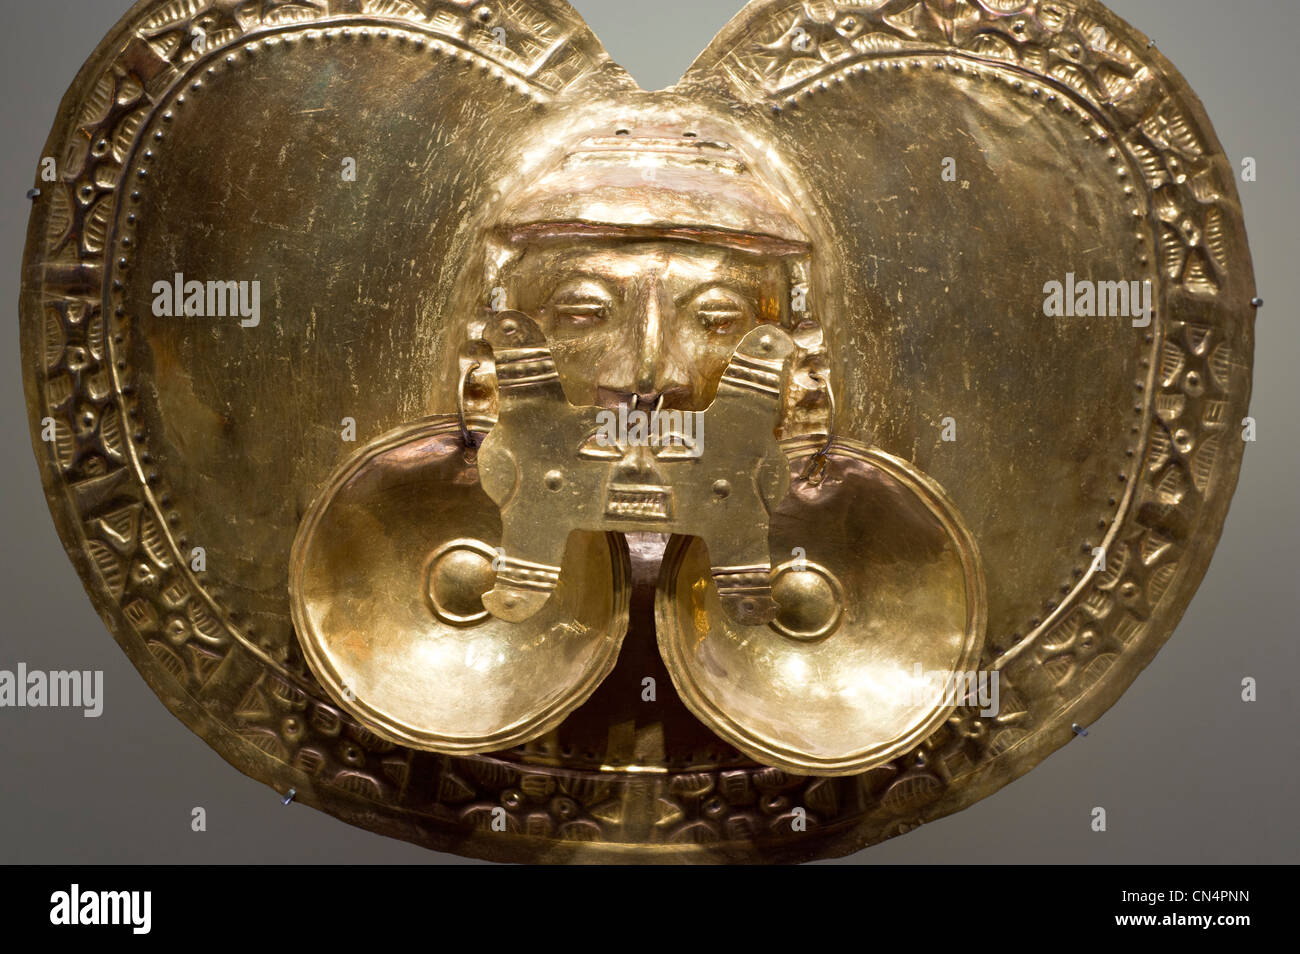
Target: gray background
1187, 772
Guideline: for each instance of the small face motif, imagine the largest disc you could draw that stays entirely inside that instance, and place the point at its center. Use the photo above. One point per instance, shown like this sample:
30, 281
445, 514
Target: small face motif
644, 320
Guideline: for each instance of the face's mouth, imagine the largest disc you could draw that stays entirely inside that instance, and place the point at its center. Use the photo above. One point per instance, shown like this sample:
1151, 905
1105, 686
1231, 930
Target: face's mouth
638, 502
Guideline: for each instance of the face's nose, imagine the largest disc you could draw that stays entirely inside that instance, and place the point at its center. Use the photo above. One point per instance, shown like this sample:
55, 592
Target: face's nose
649, 362
650, 339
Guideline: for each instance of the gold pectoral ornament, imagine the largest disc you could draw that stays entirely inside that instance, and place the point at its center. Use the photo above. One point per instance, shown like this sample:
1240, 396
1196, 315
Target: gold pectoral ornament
510, 459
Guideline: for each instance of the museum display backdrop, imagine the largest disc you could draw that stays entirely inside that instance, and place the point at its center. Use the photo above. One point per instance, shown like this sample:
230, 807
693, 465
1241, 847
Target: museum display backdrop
504, 458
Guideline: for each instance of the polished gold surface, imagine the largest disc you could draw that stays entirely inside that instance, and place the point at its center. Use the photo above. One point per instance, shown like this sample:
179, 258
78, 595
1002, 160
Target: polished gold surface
554, 468
892, 185
886, 588
388, 575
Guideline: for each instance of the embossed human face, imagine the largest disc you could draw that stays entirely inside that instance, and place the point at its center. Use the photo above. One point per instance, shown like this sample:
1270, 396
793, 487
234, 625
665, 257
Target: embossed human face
645, 319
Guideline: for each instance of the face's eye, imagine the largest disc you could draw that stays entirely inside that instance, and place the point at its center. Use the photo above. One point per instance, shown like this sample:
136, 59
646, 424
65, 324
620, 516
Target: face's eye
722, 311
580, 303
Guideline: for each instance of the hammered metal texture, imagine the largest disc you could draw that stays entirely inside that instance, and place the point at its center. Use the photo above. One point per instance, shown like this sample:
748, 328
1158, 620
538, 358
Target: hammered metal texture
1079, 149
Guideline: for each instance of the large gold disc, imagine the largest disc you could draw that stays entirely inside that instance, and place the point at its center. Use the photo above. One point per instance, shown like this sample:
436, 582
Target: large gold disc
387, 578
883, 592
